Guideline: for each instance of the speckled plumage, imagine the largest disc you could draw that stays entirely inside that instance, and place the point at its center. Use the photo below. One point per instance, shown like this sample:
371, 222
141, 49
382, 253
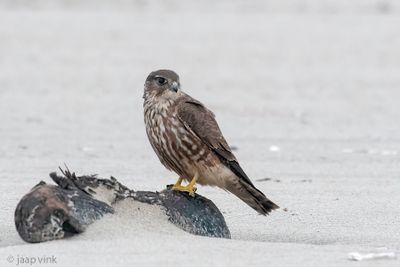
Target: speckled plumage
186, 138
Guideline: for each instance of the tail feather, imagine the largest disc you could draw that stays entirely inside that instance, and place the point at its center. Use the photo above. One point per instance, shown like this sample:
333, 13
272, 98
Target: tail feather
251, 196
241, 186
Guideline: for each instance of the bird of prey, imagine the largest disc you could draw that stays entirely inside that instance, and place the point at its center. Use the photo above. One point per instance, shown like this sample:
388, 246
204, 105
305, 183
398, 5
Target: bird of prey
187, 140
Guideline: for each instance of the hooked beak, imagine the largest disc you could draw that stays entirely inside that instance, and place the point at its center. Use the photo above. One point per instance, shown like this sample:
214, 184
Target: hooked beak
174, 87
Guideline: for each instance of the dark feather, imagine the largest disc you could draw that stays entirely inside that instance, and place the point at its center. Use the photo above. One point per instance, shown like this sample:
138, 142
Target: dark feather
197, 118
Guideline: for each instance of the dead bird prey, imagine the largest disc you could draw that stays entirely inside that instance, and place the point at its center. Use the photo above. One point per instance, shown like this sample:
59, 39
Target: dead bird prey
50, 212
187, 140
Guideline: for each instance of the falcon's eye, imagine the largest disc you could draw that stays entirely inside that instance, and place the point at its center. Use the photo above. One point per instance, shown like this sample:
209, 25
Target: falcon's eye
161, 80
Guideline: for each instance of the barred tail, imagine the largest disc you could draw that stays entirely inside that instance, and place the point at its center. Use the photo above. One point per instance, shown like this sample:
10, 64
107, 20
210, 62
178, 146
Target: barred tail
243, 188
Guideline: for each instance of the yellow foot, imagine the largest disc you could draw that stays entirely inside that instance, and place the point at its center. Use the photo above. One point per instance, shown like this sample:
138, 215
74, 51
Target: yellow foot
190, 188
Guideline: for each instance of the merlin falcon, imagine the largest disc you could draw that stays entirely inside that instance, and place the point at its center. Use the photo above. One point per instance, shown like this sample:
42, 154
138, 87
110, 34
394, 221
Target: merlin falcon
187, 140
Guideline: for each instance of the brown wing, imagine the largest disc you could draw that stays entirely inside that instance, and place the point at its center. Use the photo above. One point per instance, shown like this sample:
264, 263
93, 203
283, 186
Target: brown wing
201, 121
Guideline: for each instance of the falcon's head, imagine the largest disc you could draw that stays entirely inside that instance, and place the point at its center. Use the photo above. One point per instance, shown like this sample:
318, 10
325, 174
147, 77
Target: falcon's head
162, 84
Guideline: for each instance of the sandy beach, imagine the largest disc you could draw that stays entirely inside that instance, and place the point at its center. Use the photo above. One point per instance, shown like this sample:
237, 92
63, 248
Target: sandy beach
308, 95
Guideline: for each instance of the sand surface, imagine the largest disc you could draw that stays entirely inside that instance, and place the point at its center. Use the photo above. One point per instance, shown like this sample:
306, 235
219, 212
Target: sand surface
308, 96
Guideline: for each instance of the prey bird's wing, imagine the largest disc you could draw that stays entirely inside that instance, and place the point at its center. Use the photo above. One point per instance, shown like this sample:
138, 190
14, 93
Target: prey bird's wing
197, 118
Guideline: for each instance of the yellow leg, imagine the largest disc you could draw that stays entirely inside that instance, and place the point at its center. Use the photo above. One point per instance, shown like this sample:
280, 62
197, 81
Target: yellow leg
190, 188
178, 183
